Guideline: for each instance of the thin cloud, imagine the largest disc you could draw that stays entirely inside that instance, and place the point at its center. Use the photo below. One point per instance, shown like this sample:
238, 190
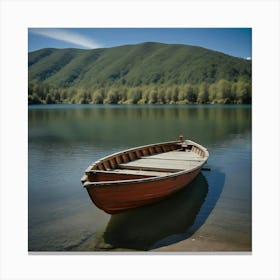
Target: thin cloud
66, 36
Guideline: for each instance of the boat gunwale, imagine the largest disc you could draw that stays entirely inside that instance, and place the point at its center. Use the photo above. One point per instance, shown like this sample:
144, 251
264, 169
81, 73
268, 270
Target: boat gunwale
87, 184
141, 180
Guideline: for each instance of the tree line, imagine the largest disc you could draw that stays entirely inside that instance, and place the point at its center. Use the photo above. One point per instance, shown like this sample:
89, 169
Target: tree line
221, 92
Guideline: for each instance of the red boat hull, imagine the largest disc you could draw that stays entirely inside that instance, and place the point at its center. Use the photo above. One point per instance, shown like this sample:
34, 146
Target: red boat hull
116, 198
143, 175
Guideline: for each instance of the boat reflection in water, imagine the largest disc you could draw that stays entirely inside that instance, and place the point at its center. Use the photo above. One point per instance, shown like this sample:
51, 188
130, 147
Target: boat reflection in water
142, 228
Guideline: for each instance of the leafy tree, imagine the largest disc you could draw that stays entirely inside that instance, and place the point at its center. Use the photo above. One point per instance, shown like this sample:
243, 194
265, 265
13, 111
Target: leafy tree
175, 94
97, 97
153, 96
223, 91
243, 92
145, 96
34, 99
182, 96
63, 95
168, 95
213, 90
41, 92
112, 97
57, 96
122, 94
234, 92
161, 96
49, 99
203, 95
134, 95
80, 97
30, 88
191, 94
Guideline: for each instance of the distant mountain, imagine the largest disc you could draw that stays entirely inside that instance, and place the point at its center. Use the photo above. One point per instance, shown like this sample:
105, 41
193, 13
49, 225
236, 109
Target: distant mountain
134, 65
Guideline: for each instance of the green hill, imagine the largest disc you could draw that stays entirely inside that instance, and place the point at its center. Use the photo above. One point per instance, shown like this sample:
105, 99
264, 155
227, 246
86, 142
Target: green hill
152, 66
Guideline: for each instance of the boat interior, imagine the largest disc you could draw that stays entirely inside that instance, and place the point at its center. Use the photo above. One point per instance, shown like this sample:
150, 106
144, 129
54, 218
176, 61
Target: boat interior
147, 161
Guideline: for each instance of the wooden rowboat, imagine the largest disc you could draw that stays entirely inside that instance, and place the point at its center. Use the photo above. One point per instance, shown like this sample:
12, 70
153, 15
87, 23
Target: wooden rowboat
143, 175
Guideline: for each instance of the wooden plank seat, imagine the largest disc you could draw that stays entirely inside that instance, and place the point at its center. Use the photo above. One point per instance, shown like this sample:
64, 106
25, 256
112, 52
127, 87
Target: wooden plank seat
177, 155
148, 173
159, 164
142, 172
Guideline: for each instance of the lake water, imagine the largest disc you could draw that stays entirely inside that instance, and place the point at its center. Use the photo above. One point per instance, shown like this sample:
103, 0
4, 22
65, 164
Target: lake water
64, 139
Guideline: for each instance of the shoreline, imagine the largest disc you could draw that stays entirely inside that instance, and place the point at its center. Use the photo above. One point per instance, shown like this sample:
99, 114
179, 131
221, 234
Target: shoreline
201, 244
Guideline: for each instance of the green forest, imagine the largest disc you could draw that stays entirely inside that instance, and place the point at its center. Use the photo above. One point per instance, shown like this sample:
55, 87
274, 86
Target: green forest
147, 73
222, 92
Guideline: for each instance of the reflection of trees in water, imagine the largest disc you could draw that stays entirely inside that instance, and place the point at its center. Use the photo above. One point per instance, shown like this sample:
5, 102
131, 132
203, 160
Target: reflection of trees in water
157, 123
162, 223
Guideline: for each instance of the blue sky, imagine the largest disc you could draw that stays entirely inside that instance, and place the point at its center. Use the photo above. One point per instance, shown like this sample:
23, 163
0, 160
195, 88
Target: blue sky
233, 41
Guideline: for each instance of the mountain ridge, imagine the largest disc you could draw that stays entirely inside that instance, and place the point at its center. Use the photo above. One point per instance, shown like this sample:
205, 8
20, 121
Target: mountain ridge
147, 64
190, 64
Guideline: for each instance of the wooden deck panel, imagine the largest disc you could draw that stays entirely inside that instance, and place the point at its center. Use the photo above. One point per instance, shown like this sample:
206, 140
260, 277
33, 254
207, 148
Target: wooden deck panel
177, 155
156, 164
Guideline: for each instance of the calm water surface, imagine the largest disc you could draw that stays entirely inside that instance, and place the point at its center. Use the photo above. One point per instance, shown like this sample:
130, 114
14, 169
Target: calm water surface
65, 139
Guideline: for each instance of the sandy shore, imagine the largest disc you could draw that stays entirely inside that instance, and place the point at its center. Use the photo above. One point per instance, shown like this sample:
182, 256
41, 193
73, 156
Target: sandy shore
213, 238
196, 243
202, 244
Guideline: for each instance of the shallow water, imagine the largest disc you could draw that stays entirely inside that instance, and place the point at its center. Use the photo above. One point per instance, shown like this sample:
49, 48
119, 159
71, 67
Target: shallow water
65, 139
